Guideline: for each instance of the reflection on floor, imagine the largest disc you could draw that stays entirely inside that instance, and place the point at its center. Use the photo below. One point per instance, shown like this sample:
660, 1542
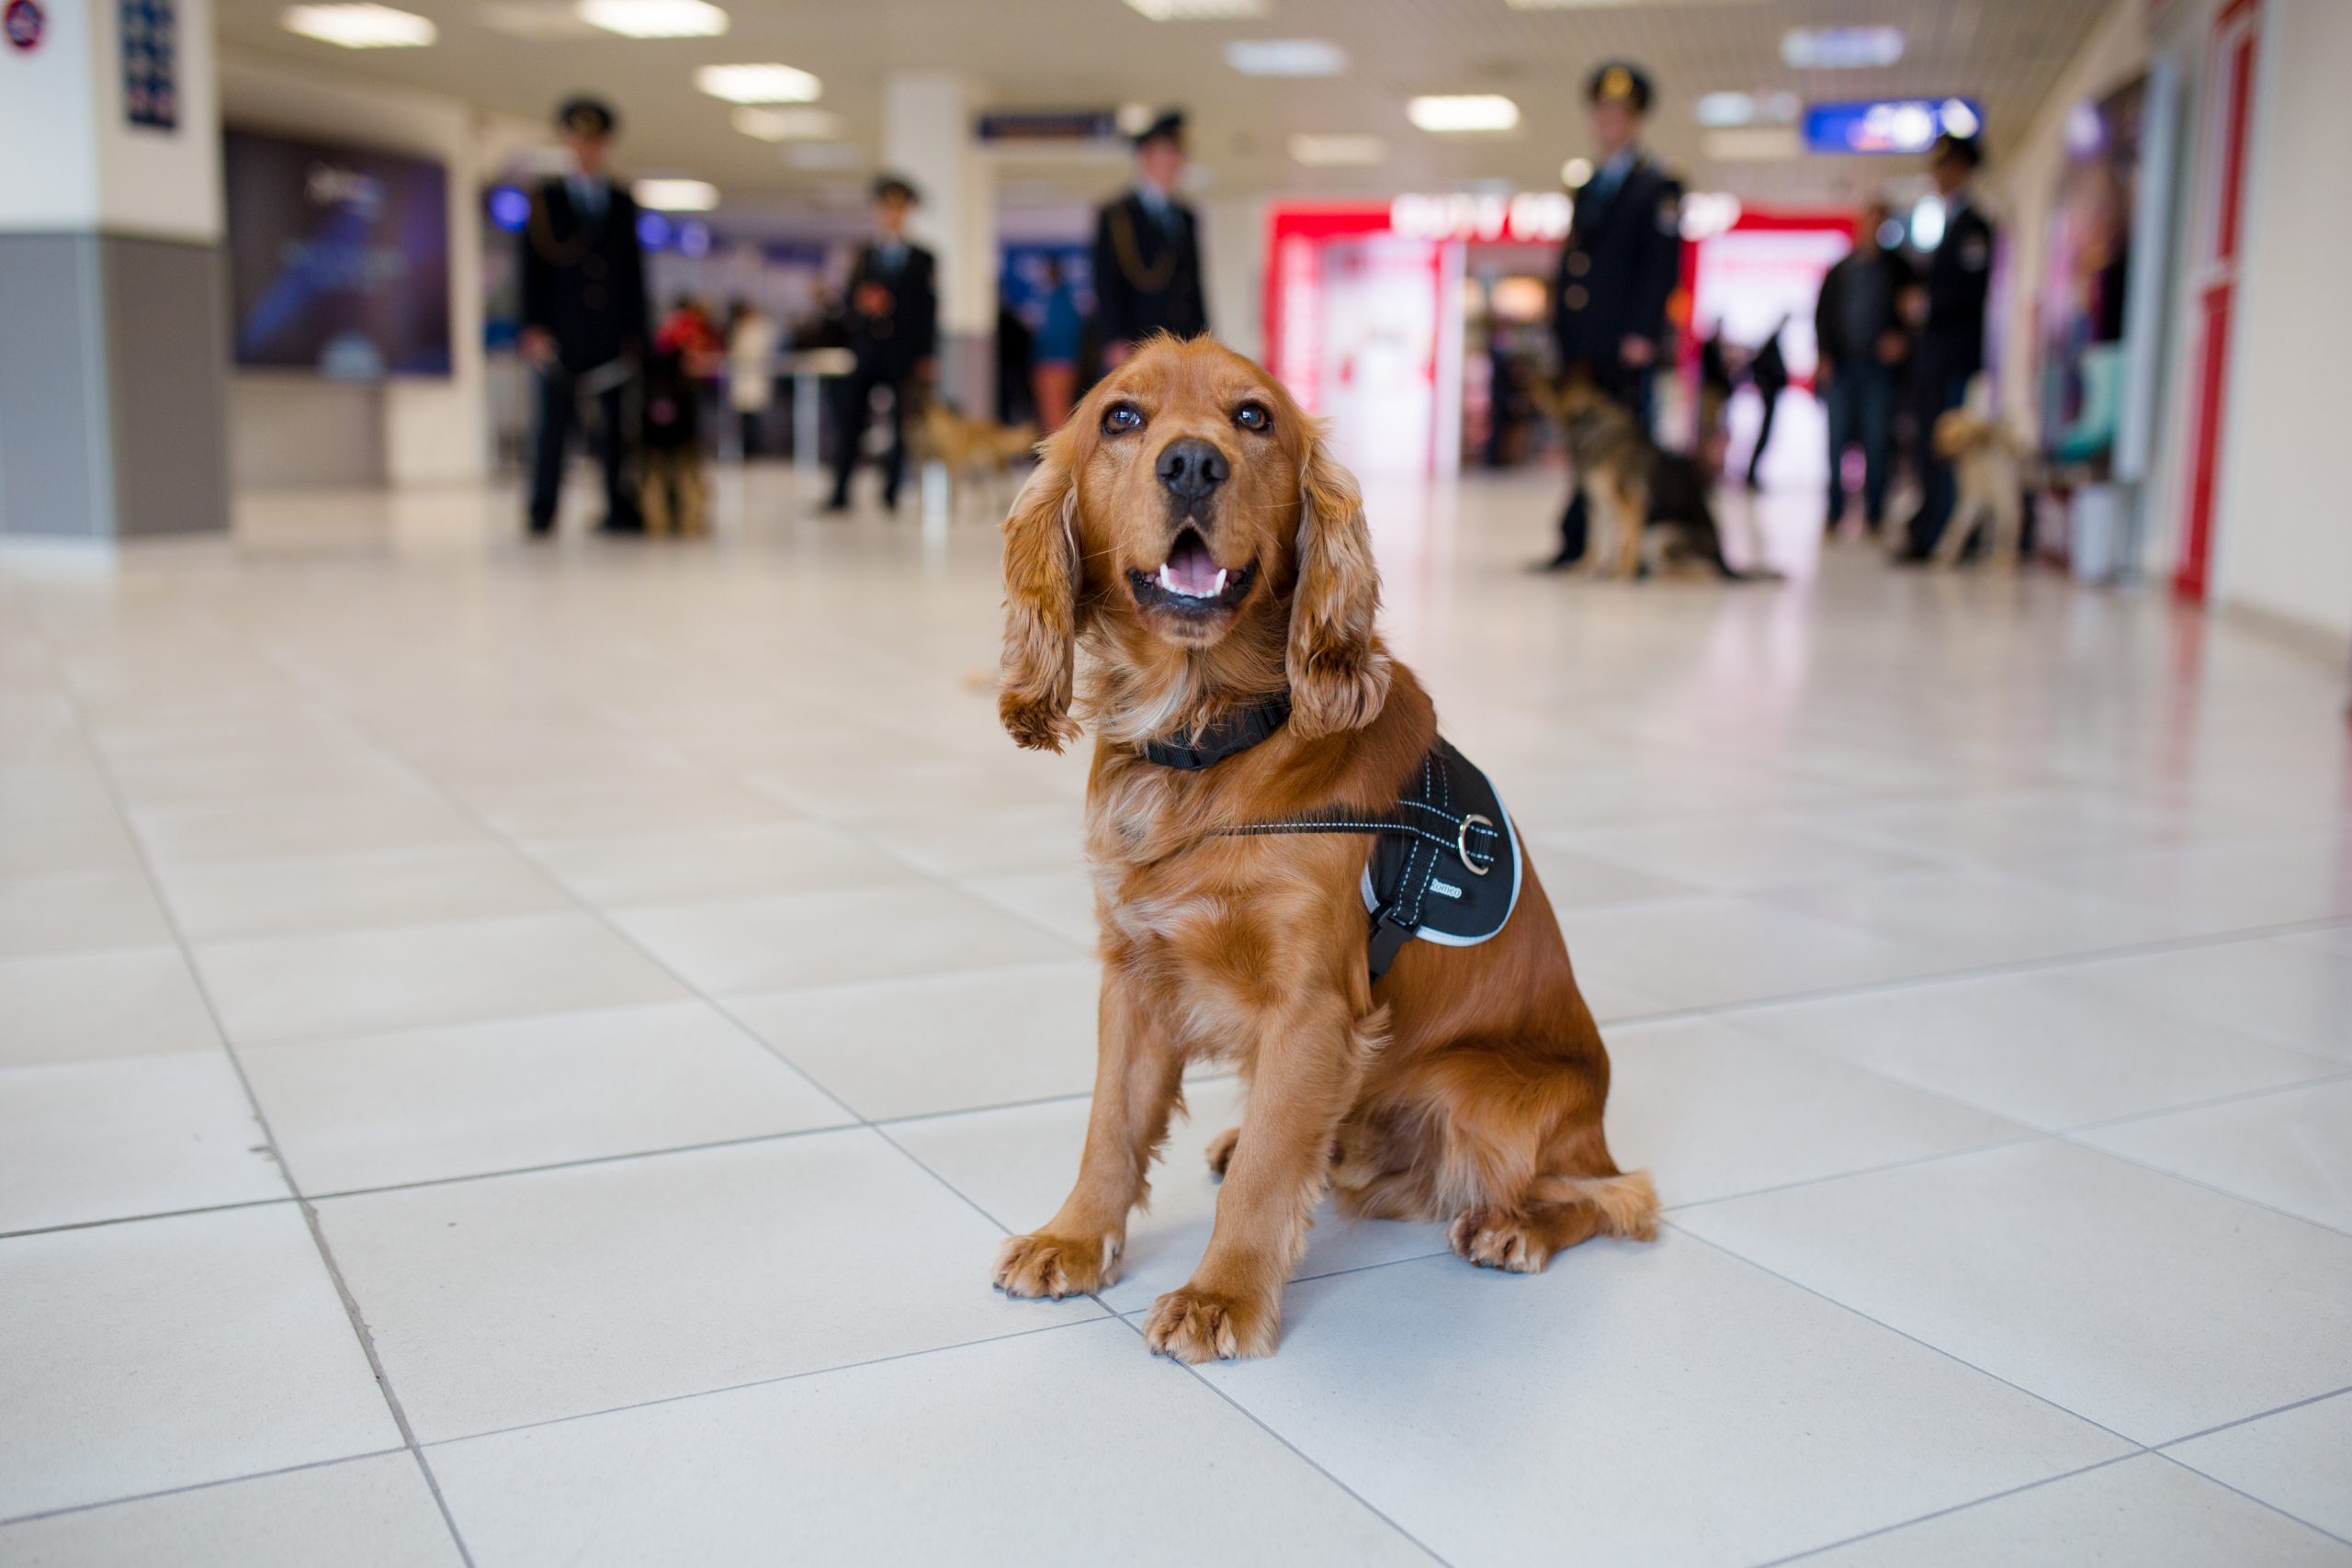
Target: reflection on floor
536, 1047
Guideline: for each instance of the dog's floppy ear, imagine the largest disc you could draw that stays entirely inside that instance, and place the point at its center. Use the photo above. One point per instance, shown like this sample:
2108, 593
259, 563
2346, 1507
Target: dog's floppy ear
1338, 679
1041, 573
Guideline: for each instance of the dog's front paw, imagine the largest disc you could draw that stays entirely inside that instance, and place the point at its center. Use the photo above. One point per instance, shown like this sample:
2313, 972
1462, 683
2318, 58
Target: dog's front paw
1057, 1266
1197, 1325
1221, 1149
1493, 1238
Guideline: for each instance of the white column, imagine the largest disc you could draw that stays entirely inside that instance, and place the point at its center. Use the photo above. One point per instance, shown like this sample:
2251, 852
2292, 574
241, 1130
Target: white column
111, 394
927, 136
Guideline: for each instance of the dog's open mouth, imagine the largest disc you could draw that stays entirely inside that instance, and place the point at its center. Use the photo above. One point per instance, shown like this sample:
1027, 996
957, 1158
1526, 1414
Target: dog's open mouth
1190, 581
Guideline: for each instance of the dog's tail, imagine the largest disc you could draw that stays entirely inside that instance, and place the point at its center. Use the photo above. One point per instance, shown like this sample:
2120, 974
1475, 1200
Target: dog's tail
1625, 1204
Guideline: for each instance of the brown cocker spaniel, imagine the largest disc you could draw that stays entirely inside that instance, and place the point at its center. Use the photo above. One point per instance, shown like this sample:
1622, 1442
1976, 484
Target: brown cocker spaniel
1189, 530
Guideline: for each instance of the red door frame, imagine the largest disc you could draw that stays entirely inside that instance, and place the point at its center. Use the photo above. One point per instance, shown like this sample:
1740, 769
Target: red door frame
2238, 25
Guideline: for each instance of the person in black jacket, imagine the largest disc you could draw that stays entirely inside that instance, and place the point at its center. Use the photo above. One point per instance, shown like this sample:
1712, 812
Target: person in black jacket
893, 332
1952, 344
1857, 324
583, 315
1619, 268
1148, 251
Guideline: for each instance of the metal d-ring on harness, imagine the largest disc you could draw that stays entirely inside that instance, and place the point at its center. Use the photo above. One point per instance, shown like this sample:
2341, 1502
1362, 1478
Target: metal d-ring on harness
1413, 862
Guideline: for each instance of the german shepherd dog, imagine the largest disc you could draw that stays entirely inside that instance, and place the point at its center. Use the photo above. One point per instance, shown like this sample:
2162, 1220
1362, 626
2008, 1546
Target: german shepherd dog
1648, 507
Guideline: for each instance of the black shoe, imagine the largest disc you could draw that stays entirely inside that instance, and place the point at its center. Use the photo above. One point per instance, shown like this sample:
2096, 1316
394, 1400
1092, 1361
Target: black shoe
834, 506
891, 501
1910, 557
620, 524
539, 528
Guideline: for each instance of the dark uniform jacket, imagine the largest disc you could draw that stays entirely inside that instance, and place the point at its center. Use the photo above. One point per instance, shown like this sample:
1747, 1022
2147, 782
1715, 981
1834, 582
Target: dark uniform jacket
1959, 275
1841, 340
1621, 264
1147, 273
892, 343
584, 282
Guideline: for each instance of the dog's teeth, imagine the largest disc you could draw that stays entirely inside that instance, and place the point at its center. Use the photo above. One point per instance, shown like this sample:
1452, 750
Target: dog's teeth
1220, 582
1166, 582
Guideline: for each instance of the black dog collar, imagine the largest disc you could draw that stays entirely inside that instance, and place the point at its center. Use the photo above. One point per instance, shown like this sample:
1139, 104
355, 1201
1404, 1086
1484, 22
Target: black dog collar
1234, 730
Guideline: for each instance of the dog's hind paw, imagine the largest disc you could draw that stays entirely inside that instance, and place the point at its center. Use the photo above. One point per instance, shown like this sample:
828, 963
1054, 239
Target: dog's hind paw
1493, 1238
1221, 1151
1194, 1326
1055, 1265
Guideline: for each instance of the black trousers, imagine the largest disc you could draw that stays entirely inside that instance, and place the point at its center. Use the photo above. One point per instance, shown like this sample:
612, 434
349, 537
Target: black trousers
857, 408
1945, 371
1621, 383
1770, 398
558, 417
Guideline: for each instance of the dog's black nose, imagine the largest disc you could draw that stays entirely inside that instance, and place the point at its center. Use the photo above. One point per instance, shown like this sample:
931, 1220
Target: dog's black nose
1192, 468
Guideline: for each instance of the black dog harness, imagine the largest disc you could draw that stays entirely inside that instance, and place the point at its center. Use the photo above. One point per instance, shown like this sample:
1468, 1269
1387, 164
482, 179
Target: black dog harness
1447, 868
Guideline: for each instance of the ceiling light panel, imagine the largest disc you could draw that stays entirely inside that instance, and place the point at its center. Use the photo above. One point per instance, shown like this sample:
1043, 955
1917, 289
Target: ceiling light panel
359, 26
796, 124
675, 196
759, 83
1286, 57
1198, 10
1751, 144
655, 19
1463, 112
1337, 150
1840, 48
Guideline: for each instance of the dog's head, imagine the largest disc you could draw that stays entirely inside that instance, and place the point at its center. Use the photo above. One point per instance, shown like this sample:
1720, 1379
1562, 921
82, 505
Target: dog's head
1189, 513
1958, 431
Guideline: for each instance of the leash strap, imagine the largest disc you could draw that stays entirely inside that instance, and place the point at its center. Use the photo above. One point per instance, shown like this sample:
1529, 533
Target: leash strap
1436, 836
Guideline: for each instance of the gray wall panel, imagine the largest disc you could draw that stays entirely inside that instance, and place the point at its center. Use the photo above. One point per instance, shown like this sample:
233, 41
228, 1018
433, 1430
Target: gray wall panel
166, 305
56, 471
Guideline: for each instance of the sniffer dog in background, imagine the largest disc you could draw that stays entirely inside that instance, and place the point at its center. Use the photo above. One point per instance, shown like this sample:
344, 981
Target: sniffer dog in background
1649, 507
675, 492
975, 452
1189, 530
1988, 478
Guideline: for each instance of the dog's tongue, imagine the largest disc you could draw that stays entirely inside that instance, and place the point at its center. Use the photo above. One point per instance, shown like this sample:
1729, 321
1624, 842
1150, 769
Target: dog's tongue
1191, 569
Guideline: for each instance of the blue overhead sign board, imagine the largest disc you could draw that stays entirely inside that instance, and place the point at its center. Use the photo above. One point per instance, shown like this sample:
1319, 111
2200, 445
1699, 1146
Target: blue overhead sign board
1888, 125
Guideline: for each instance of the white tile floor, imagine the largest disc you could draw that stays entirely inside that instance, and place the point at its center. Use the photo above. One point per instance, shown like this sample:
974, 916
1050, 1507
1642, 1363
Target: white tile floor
523, 1056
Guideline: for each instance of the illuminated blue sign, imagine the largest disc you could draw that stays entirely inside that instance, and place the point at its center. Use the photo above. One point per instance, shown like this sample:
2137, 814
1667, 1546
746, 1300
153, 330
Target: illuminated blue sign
1888, 125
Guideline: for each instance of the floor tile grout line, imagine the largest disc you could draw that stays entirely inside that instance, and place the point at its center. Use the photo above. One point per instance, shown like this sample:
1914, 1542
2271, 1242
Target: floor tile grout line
212, 1485
617, 1156
2235, 1097
2219, 1192
2258, 1502
722, 1389
1991, 972
357, 1323
433, 782
2257, 1416
2031, 1135
72, 1225
1952, 1357
1956, 1508
1304, 1457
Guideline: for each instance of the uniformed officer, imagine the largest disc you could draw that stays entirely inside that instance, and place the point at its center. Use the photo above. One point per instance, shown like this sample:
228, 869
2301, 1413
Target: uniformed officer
1147, 250
893, 332
1621, 264
583, 315
1952, 343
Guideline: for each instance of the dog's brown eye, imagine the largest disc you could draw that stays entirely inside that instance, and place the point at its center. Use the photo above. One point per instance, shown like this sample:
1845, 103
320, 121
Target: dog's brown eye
1250, 416
1121, 417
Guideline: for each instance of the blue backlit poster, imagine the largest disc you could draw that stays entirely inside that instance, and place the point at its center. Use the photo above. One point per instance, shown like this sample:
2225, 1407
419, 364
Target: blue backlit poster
1888, 125
338, 257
